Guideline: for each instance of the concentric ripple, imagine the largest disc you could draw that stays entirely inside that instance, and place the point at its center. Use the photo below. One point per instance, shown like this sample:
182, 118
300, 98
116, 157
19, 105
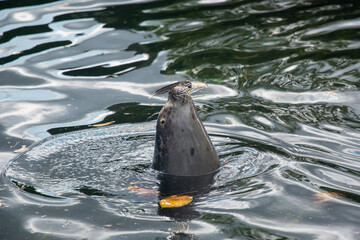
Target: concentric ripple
98, 165
282, 109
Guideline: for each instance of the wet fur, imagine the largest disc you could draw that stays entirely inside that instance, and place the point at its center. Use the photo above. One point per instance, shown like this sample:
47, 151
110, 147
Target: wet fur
182, 145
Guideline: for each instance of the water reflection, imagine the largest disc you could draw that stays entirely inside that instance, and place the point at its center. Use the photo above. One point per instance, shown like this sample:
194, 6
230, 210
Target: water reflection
47, 171
304, 97
281, 108
181, 185
59, 227
29, 95
65, 228
342, 25
21, 115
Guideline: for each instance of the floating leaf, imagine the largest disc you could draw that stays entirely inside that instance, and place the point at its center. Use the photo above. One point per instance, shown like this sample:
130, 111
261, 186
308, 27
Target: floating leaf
143, 191
176, 201
102, 124
22, 149
326, 196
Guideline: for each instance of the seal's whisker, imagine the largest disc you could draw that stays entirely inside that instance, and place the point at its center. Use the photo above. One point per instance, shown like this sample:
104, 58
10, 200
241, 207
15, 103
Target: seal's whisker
194, 90
152, 115
182, 96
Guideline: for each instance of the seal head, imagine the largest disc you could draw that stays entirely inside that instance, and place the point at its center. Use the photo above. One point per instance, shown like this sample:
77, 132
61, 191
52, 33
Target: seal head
182, 145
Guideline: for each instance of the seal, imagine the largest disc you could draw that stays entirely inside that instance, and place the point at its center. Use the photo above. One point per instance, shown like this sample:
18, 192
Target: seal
182, 145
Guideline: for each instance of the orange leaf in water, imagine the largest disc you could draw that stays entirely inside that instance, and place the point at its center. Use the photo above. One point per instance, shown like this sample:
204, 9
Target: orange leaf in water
143, 191
103, 124
326, 196
22, 149
175, 201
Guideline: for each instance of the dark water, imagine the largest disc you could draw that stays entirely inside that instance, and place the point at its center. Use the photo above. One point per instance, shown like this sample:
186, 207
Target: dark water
282, 108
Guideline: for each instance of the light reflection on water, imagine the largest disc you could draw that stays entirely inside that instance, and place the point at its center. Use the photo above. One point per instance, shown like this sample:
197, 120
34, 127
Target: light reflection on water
281, 108
28, 95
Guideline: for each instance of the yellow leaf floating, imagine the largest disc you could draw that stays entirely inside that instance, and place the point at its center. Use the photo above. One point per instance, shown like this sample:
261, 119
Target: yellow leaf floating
326, 196
22, 149
175, 201
102, 124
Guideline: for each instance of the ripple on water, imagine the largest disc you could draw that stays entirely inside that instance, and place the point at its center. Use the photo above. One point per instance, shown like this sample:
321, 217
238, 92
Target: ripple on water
103, 163
98, 158
284, 116
93, 168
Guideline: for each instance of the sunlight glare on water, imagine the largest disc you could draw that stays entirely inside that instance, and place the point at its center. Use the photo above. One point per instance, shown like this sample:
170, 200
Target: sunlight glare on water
281, 107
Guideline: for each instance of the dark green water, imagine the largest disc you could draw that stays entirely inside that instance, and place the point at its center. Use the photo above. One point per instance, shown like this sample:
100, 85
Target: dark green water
282, 108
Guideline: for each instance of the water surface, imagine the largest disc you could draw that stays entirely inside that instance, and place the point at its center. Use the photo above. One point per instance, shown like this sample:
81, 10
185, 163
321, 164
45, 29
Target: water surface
282, 109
